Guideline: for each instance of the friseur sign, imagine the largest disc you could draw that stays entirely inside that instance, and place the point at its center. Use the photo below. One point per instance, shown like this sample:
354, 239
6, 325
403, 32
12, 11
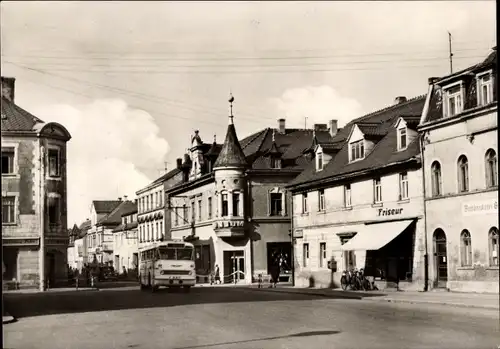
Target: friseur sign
389, 211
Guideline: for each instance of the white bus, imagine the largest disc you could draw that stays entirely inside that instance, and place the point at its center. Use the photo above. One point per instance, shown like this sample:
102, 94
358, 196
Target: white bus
167, 263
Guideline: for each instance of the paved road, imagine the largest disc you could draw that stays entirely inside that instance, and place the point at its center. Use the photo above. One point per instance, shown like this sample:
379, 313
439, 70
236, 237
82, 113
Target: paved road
238, 318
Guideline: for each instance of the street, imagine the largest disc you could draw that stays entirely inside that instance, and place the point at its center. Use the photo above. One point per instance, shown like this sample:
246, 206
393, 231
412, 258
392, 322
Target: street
228, 317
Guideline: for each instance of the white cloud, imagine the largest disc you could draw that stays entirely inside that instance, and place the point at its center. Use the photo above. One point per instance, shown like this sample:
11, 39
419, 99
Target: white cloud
111, 149
320, 104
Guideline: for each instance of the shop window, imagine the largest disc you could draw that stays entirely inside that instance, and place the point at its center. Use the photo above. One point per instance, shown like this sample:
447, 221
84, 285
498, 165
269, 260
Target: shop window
466, 249
491, 169
8, 209
436, 178
493, 242
8, 160
463, 174
305, 255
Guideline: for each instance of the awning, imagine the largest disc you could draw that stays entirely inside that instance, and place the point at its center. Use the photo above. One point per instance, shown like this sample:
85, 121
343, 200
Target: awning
376, 236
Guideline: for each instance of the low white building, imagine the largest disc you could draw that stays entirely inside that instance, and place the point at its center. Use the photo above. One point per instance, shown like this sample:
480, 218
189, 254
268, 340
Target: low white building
125, 242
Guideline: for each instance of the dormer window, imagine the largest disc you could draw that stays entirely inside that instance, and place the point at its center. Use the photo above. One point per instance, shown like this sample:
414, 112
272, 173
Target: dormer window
402, 138
357, 150
453, 100
275, 162
319, 161
485, 88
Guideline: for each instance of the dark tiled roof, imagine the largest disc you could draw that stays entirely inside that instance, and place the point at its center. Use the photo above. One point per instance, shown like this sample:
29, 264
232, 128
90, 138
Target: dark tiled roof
105, 206
383, 153
125, 227
231, 154
165, 177
14, 118
435, 111
115, 216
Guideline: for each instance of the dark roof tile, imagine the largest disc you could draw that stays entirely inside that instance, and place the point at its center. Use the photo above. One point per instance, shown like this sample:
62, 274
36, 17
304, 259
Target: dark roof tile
14, 118
105, 206
231, 154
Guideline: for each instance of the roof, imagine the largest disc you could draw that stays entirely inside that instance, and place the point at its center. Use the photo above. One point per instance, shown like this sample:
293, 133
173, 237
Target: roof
115, 216
435, 111
383, 153
160, 180
105, 206
231, 154
84, 227
14, 118
127, 226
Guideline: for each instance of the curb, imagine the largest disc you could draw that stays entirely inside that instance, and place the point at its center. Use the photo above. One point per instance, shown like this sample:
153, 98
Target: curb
408, 301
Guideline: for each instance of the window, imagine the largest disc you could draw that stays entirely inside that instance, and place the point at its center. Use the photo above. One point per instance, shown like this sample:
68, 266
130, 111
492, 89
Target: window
485, 89
357, 150
463, 174
8, 160
147, 202
54, 210
199, 210
466, 249
321, 200
377, 190
402, 138
491, 169
276, 204
403, 186
184, 214
225, 206
157, 232
305, 254
275, 162
54, 163
209, 208
8, 209
304, 203
347, 195
236, 204
493, 242
160, 232
193, 211
176, 216
322, 254
453, 105
436, 178
319, 161
160, 196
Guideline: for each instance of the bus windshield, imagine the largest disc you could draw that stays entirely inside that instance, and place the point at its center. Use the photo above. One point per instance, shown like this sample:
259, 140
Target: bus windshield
176, 253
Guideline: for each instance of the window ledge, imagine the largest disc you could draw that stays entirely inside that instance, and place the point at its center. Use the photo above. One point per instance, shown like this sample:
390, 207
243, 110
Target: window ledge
377, 204
321, 211
466, 268
54, 178
9, 224
347, 208
304, 214
11, 175
403, 201
492, 267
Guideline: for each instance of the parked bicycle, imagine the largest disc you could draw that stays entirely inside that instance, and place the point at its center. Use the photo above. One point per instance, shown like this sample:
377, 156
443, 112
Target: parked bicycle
355, 280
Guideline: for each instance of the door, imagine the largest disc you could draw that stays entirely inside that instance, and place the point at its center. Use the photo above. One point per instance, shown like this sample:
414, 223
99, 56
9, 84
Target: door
234, 266
440, 259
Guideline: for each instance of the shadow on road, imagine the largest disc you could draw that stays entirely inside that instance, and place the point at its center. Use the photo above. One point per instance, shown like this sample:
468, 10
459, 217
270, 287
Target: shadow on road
300, 334
35, 304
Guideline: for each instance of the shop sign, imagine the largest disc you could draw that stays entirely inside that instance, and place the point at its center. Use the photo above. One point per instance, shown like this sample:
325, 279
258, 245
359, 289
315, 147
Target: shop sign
389, 211
298, 234
20, 242
480, 207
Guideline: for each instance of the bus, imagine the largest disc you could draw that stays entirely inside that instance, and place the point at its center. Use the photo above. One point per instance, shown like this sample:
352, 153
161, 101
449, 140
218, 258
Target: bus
167, 263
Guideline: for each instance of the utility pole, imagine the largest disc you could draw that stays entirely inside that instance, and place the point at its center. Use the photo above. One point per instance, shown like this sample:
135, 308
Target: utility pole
451, 53
42, 217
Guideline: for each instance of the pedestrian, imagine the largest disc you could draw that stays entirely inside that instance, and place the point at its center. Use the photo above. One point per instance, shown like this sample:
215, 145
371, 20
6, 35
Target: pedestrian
217, 274
260, 280
275, 272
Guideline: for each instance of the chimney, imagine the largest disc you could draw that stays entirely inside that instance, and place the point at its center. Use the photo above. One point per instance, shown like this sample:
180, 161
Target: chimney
119, 199
179, 163
281, 126
333, 127
8, 88
320, 127
125, 197
399, 99
432, 80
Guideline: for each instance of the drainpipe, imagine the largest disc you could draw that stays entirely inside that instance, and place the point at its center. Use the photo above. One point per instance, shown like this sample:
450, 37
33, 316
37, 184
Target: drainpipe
292, 250
426, 255
41, 255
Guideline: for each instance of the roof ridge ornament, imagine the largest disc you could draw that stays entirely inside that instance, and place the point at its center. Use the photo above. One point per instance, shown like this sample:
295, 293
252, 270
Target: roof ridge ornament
231, 100
274, 135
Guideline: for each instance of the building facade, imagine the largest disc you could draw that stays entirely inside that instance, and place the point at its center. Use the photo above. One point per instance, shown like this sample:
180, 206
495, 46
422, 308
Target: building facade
232, 204
126, 242
80, 246
152, 224
99, 237
34, 196
459, 127
360, 203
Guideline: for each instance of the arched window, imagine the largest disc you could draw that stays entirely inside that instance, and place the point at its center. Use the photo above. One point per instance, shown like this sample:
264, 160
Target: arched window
436, 178
493, 242
463, 174
491, 168
466, 249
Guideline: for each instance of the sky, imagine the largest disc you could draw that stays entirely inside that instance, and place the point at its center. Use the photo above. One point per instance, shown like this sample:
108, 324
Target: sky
132, 81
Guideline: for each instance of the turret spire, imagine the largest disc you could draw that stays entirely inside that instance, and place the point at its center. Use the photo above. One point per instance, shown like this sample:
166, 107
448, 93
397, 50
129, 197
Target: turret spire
231, 100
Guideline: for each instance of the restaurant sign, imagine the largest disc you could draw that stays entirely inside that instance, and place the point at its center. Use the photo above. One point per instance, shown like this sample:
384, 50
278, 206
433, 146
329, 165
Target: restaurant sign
21, 242
473, 208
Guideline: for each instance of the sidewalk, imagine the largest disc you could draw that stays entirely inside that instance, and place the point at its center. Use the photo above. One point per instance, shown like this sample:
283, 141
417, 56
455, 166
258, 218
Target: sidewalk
469, 300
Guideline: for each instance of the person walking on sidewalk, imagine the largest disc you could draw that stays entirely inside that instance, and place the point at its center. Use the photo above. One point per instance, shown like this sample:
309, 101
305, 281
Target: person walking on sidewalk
217, 274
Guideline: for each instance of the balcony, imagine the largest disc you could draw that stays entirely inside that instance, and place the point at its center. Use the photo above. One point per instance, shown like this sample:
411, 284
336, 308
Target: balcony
107, 247
229, 227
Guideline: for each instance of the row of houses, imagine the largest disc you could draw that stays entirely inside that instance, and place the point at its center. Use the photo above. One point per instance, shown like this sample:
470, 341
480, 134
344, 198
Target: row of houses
409, 193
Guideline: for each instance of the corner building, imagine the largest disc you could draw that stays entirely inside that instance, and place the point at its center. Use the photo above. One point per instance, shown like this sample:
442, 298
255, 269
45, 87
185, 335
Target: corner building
460, 132
232, 204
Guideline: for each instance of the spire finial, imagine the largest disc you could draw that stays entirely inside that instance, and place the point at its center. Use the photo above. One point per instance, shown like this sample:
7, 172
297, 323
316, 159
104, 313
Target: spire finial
314, 133
215, 138
274, 133
231, 100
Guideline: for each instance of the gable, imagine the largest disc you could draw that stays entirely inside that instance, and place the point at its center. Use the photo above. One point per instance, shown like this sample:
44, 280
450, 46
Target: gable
356, 134
54, 130
400, 124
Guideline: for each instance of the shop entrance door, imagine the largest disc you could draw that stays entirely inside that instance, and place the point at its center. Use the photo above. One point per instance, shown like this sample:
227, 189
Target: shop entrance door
234, 266
441, 259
